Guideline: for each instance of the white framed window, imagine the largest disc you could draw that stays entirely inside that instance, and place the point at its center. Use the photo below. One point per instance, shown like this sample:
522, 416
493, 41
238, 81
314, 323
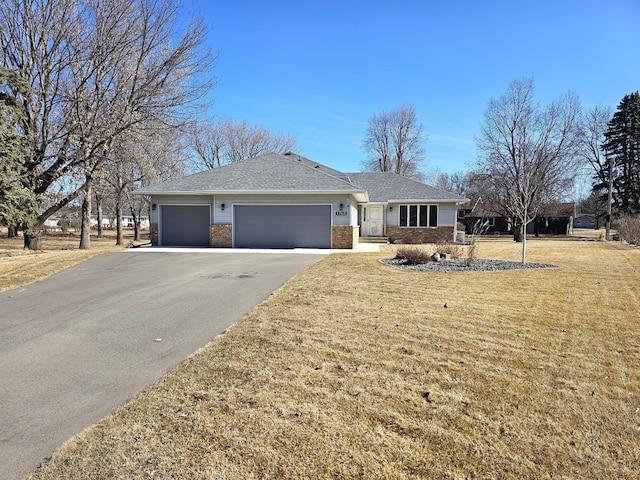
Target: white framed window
418, 215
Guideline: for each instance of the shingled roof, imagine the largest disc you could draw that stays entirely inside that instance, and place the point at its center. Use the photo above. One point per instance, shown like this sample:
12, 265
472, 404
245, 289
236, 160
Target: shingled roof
292, 173
391, 187
270, 173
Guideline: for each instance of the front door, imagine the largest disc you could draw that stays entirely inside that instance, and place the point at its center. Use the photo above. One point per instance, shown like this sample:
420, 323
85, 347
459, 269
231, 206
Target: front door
372, 220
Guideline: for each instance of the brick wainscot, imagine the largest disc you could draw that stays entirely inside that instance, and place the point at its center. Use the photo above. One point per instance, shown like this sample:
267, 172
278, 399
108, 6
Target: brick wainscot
344, 236
221, 236
153, 234
420, 235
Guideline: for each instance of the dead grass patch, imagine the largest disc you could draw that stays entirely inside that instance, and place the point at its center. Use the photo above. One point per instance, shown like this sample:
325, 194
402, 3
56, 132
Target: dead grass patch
20, 267
357, 370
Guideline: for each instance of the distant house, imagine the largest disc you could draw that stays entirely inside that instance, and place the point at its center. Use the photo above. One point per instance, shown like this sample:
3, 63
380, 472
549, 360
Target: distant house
481, 213
289, 201
556, 219
52, 224
109, 221
585, 220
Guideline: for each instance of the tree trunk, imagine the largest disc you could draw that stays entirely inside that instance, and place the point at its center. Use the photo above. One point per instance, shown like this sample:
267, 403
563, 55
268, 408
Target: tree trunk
136, 224
85, 232
524, 243
119, 236
33, 240
99, 215
12, 232
136, 229
517, 232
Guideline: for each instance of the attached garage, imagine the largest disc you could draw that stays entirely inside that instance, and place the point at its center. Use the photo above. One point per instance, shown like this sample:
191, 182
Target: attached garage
282, 226
185, 225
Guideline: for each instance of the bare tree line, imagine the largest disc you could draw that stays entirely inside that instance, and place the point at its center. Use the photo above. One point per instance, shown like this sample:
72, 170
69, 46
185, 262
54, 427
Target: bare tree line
97, 94
394, 142
98, 70
219, 141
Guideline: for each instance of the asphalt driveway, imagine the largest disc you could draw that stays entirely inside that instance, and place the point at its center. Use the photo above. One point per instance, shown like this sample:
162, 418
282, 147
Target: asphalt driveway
79, 344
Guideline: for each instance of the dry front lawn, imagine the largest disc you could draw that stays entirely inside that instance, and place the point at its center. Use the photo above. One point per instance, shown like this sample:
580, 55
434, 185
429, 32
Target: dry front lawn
355, 369
20, 267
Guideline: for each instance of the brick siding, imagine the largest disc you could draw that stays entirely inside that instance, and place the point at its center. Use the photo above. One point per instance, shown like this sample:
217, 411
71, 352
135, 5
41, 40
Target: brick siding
344, 236
420, 235
221, 236
153, 234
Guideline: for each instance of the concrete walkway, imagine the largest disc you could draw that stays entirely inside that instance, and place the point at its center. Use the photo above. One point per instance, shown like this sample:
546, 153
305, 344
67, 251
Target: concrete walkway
360, 248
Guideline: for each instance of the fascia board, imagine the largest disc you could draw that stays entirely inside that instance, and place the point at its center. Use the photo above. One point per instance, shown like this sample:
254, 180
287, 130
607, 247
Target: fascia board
428, 200
357, 193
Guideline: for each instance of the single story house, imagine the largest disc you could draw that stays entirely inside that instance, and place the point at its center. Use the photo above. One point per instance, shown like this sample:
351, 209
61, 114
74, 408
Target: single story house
555, 218
479, 213
289, 201
585, 220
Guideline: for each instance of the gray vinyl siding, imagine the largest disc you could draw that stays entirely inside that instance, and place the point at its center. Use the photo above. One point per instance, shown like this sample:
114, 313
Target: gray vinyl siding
160, 200
225, 217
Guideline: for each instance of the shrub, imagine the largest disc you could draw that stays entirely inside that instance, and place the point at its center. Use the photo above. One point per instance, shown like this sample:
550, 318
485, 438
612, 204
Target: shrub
413, 255
629, 229
447, 246
478, 229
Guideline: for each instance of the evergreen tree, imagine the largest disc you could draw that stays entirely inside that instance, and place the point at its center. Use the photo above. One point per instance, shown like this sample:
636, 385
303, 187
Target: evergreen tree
16, 202
622, 150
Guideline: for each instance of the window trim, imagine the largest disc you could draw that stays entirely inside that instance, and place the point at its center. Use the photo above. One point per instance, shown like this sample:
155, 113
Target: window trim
407, 207
490, 220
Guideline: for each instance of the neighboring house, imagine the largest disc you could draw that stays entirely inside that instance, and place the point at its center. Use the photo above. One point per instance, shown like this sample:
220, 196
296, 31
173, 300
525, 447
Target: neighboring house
584, 220
288, 201
129, 222
52, 224
556, 218
477, 212
109, 220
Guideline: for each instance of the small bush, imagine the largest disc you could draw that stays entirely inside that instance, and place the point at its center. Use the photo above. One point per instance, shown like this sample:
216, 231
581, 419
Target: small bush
446, 246
629, 229
413, 255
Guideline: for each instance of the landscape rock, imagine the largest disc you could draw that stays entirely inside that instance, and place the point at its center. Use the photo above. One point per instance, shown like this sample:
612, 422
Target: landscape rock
460, 265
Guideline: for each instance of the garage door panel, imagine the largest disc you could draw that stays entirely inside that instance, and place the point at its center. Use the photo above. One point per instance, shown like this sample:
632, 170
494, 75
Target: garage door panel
282, 226
185, 225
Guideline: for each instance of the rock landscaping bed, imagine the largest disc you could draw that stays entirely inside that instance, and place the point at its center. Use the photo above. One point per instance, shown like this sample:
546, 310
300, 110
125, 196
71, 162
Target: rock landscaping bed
460, 265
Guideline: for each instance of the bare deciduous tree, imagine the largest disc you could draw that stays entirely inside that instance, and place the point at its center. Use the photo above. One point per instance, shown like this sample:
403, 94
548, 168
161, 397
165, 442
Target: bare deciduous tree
139, 158
528, 154
594, 125
455, 182
98, 69
218, 142
394, 142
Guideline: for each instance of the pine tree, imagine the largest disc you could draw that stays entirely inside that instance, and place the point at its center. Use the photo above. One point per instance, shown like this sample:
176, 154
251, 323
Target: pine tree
622, 148
16, 202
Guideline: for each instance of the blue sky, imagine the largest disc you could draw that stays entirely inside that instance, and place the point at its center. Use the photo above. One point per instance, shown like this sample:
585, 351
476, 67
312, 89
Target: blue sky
320, 70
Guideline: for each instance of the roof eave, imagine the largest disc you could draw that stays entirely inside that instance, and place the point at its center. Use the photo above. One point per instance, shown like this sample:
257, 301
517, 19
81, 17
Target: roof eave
360, 195
429, 200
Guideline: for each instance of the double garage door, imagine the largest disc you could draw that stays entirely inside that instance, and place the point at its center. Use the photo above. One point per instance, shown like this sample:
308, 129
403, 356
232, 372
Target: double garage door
254, 226
282, 226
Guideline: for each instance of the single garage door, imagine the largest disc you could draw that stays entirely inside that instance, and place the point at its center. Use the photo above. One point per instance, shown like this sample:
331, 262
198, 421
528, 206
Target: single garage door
282, 226
185, 226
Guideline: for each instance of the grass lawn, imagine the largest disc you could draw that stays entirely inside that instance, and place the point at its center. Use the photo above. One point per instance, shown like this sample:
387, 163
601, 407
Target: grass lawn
354, 369
20, 267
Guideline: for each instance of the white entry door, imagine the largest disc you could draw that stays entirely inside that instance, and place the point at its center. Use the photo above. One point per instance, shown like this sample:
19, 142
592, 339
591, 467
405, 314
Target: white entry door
373, 220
